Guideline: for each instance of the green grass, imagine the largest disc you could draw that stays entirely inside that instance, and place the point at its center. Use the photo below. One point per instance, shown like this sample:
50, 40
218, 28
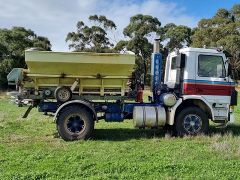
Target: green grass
31, 149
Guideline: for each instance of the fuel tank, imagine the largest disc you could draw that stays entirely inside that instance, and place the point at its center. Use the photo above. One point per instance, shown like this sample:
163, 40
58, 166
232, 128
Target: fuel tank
149, 116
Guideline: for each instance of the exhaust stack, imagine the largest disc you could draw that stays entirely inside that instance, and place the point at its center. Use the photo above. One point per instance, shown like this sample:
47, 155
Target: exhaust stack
156, 69
156, 46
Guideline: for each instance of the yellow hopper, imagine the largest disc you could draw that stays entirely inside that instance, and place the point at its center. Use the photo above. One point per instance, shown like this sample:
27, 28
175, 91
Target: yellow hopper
96, 73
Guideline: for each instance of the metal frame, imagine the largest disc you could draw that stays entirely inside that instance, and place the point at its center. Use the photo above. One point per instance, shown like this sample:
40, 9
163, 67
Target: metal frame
77, 82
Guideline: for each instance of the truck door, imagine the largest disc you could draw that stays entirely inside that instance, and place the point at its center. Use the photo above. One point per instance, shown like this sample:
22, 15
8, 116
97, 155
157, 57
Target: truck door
211, 80
174, 71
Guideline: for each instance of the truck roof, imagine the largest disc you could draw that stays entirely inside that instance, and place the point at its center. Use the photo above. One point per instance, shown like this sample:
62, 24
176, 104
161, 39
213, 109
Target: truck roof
204, 50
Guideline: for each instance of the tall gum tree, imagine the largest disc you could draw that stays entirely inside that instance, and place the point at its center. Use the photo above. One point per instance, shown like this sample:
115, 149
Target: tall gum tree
139, 31
175, 36
92, 38
223, 29
13, 43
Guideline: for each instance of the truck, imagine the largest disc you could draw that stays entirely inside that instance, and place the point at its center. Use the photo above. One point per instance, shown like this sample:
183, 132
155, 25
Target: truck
83, 88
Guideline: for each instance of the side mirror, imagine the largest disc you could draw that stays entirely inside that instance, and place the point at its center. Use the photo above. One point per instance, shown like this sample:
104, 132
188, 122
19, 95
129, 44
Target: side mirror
229, 73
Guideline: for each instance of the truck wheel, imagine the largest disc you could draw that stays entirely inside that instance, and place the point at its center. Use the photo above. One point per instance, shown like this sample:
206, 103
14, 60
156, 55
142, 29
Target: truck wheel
75, 123
191, 121
63, 94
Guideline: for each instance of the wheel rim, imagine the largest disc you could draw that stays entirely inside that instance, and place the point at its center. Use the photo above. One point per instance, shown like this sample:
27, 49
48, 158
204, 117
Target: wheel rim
75, 124
192, 123
64, 94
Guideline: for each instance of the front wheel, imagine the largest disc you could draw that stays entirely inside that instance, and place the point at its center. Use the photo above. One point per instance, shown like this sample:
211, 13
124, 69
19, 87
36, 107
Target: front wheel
75, 123
191, 121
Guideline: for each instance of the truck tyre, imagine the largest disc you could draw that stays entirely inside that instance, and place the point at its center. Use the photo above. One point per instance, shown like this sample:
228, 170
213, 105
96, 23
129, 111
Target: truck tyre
63, 94
75, 123
191, 121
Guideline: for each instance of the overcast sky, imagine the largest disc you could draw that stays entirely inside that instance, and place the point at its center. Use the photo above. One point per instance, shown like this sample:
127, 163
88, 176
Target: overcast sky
55, 18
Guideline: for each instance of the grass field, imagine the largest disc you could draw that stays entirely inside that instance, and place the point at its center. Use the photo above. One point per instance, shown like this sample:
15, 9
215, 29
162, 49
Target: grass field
31, 149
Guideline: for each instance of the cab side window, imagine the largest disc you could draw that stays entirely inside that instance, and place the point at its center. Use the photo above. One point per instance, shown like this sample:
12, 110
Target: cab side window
211, 66
172, 71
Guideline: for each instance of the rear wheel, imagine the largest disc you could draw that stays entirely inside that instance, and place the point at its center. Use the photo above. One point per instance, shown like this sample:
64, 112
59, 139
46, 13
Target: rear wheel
191, 121
75, 123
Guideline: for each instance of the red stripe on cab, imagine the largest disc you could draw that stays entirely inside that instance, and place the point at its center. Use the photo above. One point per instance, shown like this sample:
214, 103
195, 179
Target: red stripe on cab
207, 89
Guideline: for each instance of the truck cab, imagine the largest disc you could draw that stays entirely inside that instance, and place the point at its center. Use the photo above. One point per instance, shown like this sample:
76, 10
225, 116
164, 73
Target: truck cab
199, 78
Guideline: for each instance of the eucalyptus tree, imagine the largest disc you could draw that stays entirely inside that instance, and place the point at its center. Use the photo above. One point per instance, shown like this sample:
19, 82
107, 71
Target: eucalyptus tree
139, 32
13, 42
223, 29
92, 38
175, 36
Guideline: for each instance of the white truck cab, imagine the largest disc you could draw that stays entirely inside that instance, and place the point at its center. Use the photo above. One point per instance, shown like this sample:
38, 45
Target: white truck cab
199, 78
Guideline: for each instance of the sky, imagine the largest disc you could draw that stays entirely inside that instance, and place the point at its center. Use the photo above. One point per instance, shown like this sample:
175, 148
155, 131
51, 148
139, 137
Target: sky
55, 18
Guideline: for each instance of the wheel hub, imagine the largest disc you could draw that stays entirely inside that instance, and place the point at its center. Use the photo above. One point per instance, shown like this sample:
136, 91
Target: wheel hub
64, 94
192, 123
75, 124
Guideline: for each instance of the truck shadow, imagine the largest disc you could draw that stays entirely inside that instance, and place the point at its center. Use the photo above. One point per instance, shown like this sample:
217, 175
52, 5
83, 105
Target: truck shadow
123, 134
232, 129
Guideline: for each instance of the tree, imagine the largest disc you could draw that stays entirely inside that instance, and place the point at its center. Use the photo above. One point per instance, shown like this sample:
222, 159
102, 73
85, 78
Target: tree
139, 30
223, 29
93, 38
175, 36
13, 43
